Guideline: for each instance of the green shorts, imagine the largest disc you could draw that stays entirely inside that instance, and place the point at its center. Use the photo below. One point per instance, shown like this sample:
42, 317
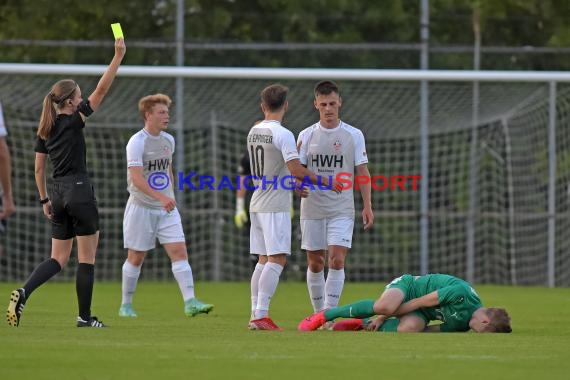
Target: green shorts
405, 284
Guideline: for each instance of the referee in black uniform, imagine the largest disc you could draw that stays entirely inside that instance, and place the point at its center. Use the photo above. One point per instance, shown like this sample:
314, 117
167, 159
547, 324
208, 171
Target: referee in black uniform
72, 207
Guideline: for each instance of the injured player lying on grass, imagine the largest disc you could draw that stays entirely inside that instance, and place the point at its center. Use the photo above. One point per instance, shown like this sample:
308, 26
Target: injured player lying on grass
409, 303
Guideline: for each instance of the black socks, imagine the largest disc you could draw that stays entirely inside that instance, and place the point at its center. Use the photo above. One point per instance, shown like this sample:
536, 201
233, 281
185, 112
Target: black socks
43, 272
84, 280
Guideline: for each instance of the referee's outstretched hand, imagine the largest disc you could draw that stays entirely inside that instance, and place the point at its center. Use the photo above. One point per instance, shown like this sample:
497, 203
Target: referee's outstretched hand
120, 47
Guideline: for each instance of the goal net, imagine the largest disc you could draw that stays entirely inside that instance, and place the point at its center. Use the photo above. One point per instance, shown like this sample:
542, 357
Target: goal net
510, 156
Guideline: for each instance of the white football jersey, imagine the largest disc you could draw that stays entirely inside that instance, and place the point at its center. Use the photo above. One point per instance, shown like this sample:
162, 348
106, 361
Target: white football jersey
328, 152
270, 147
154, 154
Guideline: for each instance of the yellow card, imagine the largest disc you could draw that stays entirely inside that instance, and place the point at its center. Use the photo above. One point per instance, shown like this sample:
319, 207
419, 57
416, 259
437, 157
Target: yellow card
117, 31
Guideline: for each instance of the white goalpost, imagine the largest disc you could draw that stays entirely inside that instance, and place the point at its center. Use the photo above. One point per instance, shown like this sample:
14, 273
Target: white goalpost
493, 204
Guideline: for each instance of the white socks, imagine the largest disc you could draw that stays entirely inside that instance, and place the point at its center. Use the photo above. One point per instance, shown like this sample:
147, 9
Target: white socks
255, 287
267, 285
325, 294
183, 275
333, 287
316, 286
131, 275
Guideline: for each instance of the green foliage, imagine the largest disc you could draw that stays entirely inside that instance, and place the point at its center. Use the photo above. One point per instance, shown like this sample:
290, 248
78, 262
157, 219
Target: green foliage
503, 23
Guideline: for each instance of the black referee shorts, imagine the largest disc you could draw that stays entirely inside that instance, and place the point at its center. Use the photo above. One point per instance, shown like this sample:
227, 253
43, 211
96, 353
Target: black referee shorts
74, 208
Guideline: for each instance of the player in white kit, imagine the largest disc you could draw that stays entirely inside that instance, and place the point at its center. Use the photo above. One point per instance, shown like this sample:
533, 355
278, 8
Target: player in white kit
151, 211
274, 160
330, 147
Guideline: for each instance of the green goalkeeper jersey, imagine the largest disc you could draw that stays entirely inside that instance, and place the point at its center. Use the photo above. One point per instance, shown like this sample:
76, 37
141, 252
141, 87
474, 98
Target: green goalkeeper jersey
457, 300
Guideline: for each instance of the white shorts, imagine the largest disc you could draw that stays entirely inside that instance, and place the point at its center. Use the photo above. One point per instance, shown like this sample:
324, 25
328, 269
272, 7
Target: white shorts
318, 234
143, 225
270, 233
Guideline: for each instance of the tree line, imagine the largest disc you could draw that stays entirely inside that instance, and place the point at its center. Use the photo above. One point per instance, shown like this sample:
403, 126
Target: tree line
505, 23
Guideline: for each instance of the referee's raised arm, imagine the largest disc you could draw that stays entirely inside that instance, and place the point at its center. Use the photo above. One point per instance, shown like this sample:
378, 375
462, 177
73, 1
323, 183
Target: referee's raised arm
96, 98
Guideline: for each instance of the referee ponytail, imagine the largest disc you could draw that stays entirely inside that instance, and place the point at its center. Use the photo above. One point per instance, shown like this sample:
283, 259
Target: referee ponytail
60, 91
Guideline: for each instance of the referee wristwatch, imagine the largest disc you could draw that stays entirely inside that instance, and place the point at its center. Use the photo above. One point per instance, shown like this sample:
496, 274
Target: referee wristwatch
44, 201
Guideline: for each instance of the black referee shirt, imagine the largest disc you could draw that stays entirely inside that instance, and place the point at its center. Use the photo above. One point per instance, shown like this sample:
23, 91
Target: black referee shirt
65, 145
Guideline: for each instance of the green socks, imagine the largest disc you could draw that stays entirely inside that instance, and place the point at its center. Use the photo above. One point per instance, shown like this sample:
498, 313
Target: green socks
390, 325
359, 309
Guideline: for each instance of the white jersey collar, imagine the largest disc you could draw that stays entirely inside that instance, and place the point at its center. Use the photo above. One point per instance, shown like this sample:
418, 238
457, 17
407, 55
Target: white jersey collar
330, 130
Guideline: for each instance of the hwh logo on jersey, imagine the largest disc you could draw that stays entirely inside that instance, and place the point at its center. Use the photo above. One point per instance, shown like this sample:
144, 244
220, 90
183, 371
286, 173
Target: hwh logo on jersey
328, 160
161, 164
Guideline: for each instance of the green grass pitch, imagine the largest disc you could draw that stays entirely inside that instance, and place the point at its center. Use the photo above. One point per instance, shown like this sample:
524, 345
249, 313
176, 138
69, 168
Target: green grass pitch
162, 343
